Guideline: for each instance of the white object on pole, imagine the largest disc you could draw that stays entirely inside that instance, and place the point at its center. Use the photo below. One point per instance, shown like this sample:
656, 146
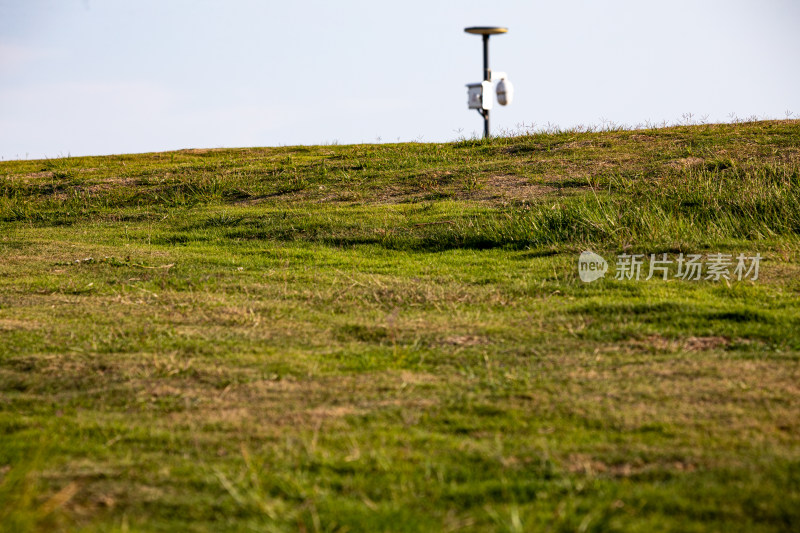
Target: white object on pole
505, 89
474, 95
479, 95
505, 92
486, 95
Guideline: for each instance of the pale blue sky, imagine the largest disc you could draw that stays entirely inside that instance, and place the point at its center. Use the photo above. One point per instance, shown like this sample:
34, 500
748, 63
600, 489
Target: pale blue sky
100, 76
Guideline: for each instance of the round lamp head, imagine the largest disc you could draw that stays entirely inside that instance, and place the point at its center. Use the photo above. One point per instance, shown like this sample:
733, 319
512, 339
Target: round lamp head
486, 30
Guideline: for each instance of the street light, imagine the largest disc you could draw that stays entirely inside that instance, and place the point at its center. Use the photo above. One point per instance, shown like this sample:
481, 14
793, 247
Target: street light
479, 95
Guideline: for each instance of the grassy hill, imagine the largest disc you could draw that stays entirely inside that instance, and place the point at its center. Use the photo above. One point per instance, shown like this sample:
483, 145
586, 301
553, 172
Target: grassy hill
396, 338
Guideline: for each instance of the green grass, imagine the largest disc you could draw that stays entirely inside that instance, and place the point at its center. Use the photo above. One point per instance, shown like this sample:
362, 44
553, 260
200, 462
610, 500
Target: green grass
395, 337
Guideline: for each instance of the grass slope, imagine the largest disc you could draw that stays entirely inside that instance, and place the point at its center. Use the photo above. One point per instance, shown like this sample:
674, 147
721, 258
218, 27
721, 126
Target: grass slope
395, 338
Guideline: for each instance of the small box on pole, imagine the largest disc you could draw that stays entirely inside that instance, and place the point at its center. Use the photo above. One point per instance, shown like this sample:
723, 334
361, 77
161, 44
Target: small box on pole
479, 95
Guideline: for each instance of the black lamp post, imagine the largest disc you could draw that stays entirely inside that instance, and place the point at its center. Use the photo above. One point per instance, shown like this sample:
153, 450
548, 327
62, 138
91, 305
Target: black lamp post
486, 32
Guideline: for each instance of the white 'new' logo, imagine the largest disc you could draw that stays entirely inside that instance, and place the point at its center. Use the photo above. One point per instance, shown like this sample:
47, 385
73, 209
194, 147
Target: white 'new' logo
591, 267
